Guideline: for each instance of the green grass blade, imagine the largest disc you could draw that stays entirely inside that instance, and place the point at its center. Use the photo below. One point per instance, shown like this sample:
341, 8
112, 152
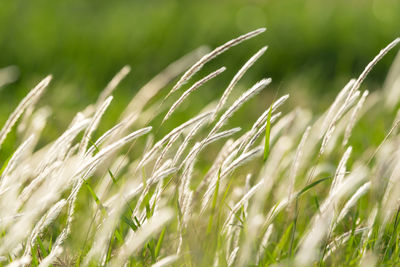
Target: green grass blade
96, 199
34, 257
5, 164
109, 171
130, 223
308, 187
226, 193
282, 242
151, 248
118, 236
112, 176
50, 243
159, 242
267, 134
41, 247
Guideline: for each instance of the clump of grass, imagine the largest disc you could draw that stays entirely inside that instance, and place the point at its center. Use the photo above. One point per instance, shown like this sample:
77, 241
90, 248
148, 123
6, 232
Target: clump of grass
301, 197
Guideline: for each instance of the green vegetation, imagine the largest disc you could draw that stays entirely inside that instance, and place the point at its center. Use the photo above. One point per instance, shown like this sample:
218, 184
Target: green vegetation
313, 45
209, 163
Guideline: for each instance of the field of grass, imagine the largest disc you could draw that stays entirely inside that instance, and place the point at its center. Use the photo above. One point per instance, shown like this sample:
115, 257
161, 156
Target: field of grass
286, 187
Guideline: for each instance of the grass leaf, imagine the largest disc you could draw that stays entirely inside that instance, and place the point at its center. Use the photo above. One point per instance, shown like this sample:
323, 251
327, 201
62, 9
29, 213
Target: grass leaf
267, 134
308, 187
159, 242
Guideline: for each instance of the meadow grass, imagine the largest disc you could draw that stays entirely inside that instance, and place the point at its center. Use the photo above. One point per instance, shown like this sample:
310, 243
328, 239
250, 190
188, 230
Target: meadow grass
292, 190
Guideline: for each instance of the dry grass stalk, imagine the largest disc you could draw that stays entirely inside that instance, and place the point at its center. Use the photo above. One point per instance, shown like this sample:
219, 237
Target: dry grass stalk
236, 79
239, 102
199, 83
206, 58
113, 84
31, 97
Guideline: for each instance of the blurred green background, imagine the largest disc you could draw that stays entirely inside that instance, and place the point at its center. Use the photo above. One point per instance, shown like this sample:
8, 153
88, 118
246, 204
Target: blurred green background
314, 46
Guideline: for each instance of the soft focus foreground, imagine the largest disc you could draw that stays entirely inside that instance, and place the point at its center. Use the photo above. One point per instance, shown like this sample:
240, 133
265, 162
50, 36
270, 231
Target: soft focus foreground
294, 188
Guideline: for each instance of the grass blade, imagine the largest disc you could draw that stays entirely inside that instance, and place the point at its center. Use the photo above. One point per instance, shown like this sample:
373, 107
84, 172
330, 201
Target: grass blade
267, 134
